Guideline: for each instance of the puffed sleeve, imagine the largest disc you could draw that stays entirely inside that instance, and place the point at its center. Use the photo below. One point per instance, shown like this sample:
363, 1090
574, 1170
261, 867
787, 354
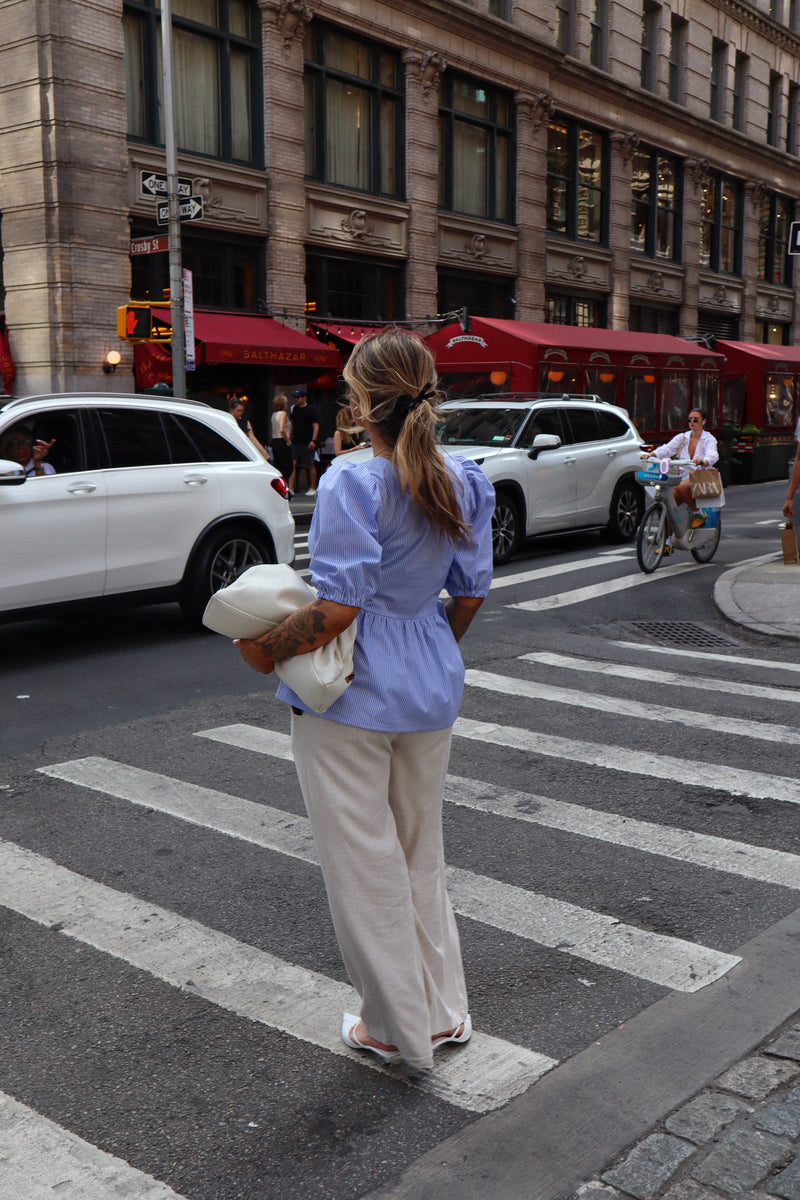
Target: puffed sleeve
471, 570
711, 454
670, 448
343, 538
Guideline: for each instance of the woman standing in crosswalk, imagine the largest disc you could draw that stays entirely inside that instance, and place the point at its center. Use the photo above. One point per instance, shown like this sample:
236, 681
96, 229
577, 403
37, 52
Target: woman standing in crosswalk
389, 534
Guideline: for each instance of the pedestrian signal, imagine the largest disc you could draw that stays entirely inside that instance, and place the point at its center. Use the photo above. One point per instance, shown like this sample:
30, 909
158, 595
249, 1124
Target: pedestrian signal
134, 321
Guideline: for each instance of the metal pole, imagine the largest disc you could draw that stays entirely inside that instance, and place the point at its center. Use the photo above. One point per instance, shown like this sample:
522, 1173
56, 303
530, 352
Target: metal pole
175, 274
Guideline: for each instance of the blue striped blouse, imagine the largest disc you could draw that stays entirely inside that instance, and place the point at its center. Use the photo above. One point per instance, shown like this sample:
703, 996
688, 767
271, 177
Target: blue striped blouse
371, 547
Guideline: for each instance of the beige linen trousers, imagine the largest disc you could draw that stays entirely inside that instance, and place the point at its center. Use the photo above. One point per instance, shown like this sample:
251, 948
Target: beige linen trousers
375, 805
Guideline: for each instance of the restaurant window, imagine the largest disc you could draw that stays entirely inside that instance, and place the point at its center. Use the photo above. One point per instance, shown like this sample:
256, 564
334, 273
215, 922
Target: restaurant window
601, 381
674, 399
721, 224
598, 34
719, 62
481, 295
740, 71
647, 74
734, 394
774, 107
476, 149
643, 318
577, 181
227, 272
354, 113
349, 288
216, 77
562, 309
773, 333
706, 395
557, 378
677, 55
780, 398
655, 205
775, 217
640, 397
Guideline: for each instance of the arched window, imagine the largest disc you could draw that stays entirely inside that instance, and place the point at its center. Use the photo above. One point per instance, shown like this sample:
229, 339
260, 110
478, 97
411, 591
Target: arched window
217, 80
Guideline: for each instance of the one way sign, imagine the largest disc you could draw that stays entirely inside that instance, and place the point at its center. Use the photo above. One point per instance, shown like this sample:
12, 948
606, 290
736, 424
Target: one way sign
152, 183
190, 209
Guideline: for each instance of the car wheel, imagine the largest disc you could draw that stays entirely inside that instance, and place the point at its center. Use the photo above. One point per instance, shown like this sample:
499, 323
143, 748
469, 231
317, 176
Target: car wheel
625, 513
218, 562
505, 528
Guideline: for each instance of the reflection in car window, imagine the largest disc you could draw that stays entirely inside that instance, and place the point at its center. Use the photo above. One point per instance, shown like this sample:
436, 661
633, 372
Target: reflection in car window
612, 426
134, 436
583, 423
481, 426
192, 441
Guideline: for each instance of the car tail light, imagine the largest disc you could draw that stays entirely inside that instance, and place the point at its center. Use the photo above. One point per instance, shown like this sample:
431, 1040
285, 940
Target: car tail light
280, 487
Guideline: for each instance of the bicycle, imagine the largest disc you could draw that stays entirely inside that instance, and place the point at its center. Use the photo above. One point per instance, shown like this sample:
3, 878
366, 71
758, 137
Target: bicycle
664, 518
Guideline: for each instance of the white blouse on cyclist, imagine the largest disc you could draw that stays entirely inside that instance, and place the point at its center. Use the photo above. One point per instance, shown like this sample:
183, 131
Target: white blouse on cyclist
678, 447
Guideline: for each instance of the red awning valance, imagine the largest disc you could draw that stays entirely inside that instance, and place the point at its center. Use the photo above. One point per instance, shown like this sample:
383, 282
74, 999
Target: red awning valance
255, 340
344, 331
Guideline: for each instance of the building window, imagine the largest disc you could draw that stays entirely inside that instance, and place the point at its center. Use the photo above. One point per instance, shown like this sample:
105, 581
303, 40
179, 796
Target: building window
216, 77
482, 295
647, 74
791, 118
677, 48
655, 205
574, 310
350, 288
598, 27
565, 26
577, 188
772, 333
476, 149
776, 9
776, 214
740, 89
774, 107
721, 224
354, 113
794, 16
646, 319
227, 272
719, 62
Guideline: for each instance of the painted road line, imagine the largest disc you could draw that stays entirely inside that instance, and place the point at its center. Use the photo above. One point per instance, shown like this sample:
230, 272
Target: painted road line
668, 961
529, 689
681, 845
40, 1161
240, 978
684, 845
547, 572
596, 590
770, 664
703, 683
718, 777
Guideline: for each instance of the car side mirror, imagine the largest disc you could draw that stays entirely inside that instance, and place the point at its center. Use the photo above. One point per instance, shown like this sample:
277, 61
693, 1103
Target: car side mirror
544, 441
11, 473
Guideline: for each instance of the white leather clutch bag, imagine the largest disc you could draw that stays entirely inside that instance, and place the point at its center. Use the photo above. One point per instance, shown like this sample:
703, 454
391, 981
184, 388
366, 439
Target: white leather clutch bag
260, 599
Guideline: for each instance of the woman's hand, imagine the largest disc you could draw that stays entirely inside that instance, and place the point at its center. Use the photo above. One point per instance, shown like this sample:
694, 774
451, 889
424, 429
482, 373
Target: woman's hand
254, 656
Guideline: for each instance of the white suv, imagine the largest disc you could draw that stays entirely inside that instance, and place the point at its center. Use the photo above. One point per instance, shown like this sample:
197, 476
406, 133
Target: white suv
143, 500
556, 464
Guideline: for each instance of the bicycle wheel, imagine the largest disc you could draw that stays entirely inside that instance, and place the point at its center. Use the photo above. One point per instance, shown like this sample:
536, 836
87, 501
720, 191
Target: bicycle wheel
651, 537
705, 553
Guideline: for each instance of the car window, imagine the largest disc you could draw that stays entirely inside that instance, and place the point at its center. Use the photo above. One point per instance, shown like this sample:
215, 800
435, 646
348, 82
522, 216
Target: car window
62, 427
612, 425
544, 420
192, 441
583, 424
480, 426
135, 437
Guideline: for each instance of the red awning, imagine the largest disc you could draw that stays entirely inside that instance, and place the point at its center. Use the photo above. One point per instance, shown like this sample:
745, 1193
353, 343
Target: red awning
741, 354
7, 368
343, 331
255, 340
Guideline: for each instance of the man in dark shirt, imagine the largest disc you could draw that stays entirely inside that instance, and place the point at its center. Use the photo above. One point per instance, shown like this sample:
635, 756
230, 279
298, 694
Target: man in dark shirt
305, 428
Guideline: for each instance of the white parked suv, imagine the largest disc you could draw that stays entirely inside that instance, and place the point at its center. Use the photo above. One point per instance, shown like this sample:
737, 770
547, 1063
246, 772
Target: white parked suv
557, 463
142, 499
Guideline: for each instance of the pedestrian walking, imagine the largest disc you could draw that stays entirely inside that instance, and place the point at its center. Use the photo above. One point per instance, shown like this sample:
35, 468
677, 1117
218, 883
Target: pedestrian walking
281, 439
305, 431
388, 535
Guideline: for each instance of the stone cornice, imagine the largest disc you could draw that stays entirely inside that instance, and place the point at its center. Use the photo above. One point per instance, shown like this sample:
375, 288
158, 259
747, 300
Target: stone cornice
755, 19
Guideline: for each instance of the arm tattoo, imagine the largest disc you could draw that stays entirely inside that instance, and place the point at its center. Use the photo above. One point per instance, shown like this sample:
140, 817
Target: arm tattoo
300, 633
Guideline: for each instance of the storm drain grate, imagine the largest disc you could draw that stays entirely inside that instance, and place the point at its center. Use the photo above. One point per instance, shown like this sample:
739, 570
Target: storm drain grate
683, 633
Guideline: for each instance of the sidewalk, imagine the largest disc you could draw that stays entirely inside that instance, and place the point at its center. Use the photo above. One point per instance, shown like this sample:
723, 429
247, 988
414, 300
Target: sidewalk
763, 594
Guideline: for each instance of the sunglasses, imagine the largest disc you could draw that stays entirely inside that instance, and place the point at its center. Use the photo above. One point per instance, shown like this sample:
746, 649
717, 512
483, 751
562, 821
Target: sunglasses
695, 420
16, 443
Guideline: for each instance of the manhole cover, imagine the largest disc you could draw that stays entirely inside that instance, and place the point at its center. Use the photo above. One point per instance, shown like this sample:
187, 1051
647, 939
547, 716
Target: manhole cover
683, 633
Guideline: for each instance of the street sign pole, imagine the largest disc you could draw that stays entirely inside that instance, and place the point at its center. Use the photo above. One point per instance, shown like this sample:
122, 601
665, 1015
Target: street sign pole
174, 227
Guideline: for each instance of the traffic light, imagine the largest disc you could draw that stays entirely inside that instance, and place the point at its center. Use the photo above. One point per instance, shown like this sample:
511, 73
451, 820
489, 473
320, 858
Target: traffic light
134, 322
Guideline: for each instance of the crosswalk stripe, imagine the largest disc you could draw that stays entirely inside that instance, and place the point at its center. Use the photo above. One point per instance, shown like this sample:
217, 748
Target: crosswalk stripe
738, 781
595, 590
241, 978
668, 961
703, 683
770, 664
577, 564
509, 685
684, 845
41, 1160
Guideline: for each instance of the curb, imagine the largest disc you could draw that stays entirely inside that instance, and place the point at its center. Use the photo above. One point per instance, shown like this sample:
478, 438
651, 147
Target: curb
732, 610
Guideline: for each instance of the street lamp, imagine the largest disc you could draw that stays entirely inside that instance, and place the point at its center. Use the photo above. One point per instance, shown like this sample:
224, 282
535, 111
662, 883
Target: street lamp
112, 361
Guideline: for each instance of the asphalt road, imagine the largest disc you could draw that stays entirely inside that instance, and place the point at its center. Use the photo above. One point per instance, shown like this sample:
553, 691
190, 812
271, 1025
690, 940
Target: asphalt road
169, 976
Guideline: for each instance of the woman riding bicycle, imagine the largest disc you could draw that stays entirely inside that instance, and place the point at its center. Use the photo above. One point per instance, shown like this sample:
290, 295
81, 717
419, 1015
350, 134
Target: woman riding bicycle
701, 447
